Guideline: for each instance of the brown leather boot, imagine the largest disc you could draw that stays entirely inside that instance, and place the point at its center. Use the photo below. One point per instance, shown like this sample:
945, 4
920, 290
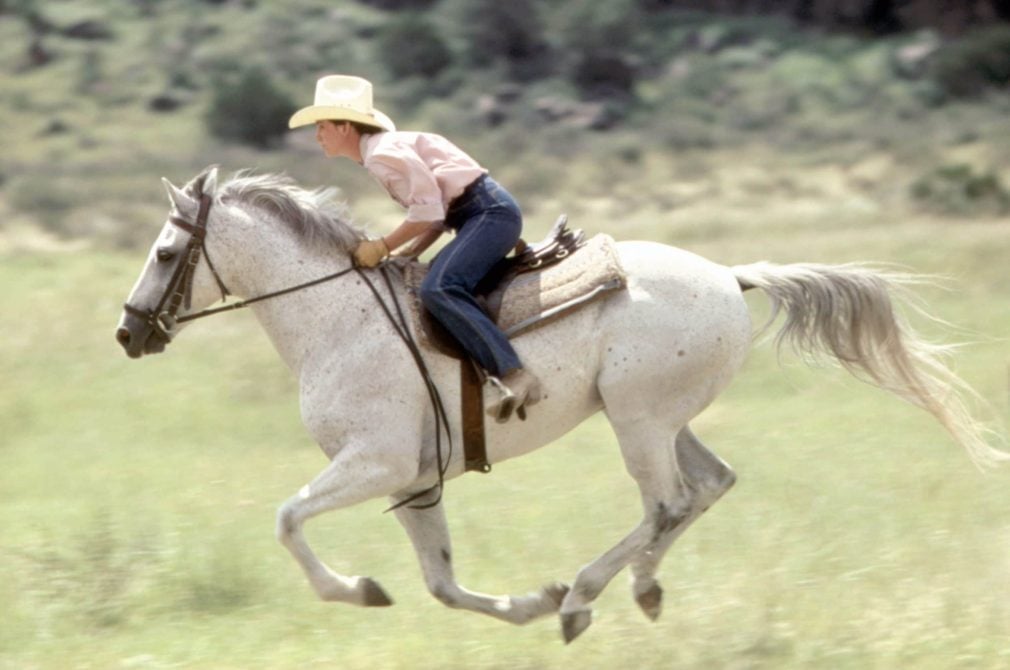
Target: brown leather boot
519, 389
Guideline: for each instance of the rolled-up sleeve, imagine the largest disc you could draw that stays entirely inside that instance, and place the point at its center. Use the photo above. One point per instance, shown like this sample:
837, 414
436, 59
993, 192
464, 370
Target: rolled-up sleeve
409, 181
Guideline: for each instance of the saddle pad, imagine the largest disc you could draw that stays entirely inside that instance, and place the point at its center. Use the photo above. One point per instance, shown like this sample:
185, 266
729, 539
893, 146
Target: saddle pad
534, 298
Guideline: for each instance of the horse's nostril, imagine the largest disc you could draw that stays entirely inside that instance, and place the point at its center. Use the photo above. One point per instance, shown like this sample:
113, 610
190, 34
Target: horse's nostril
123, 336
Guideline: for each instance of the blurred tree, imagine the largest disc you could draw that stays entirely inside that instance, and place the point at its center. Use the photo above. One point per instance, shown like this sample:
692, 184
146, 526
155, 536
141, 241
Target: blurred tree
409, 45
248, 108
395, 5
974, 63
804, 10
601, 37
880, 17
509, 32
603, 73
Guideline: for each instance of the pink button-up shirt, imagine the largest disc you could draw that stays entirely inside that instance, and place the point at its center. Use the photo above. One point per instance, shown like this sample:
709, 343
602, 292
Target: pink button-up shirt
423, 172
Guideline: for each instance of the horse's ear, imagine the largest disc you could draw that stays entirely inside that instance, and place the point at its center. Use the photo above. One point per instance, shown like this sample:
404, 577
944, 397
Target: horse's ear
210, 180
177, 196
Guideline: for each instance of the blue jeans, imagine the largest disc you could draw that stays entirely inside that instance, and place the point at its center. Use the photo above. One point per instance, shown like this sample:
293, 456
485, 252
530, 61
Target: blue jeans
488, 222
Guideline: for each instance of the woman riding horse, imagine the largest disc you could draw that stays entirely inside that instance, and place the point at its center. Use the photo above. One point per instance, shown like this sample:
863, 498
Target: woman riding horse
442, 188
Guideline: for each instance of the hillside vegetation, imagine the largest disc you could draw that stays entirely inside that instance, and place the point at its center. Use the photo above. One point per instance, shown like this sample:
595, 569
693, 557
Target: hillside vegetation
623, 112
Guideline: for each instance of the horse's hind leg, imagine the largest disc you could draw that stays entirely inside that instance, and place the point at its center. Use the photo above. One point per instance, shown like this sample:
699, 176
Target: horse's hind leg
706, 477
650, 457
429, 533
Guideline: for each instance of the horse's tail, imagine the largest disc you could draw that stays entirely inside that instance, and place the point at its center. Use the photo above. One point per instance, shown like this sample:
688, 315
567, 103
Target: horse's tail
847, 311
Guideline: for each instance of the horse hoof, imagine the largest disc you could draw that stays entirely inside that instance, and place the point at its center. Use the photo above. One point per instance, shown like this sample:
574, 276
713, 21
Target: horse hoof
556, 593
651, 601
575, 623
373, 594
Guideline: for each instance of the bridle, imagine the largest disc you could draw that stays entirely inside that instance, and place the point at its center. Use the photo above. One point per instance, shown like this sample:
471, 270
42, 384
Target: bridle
178, 292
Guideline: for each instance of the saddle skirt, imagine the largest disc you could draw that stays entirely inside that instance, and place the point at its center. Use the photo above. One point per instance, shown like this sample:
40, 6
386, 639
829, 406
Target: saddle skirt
540, 284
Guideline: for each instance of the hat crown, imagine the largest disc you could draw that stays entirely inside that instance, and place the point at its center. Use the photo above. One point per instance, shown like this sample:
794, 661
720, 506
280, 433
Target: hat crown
341, 97
339, 90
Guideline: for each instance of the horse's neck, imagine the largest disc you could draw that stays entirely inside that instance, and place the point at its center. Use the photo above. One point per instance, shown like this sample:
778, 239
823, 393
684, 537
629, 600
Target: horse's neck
309, 323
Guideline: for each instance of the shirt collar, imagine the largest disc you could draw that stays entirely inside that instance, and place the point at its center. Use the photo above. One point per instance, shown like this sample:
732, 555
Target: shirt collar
367, 146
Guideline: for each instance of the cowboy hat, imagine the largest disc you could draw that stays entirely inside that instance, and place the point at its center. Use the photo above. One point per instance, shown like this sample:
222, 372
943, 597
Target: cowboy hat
342, 98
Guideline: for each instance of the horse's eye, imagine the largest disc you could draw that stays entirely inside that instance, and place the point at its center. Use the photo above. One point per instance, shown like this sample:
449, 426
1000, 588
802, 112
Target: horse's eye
165, 255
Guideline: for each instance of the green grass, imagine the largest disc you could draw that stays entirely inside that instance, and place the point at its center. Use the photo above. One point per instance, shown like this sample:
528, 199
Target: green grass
137, 501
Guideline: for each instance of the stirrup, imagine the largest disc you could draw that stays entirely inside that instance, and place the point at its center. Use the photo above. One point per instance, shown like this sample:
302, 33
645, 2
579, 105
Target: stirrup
508, 404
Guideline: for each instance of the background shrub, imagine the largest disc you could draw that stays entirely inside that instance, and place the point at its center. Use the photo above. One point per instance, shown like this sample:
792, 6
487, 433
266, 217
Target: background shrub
399, 5
601, 39
603, 73
411, 46
974, 63
506, 32
48, 200
248, 108
961, 190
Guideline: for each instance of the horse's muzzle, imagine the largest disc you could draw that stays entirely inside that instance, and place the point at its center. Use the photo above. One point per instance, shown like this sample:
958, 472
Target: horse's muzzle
138, 338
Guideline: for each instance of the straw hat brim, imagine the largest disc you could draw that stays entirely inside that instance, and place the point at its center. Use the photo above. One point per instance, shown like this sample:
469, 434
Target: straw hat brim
313, 113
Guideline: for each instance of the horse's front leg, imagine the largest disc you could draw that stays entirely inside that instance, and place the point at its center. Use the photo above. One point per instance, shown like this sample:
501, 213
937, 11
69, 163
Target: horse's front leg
429, 533
357, 473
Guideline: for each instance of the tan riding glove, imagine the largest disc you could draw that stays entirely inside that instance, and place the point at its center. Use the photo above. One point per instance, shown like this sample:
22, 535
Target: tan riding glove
370, 253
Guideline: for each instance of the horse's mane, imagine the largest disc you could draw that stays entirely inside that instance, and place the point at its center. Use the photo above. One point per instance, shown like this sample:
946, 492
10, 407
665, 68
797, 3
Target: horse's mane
317, 217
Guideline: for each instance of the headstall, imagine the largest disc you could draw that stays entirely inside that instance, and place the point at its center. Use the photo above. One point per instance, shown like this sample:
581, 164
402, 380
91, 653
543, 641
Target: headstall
179, 290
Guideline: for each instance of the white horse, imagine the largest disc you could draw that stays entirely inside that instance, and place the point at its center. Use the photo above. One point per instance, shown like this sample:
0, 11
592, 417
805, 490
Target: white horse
651, 357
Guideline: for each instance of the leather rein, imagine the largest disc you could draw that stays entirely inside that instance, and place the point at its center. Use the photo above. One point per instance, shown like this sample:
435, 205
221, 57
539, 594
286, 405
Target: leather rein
179, 290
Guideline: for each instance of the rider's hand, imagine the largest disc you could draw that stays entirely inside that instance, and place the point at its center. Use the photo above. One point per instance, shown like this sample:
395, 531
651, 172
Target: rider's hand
370, 253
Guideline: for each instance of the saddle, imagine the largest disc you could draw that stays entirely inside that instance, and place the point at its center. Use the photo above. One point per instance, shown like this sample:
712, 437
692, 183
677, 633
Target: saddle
537, 284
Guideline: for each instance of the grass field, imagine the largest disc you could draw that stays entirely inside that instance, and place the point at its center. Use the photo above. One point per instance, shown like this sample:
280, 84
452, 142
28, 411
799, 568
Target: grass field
137, 499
